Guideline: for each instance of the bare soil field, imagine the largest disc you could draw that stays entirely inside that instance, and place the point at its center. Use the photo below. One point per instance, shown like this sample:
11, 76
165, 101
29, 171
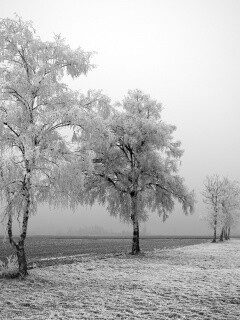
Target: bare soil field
200, 282
44, 250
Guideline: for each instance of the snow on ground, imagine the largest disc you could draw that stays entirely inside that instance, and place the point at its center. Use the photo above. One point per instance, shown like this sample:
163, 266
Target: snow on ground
195, 282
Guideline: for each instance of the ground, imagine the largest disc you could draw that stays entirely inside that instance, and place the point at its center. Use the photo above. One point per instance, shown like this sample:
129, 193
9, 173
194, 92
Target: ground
197, 282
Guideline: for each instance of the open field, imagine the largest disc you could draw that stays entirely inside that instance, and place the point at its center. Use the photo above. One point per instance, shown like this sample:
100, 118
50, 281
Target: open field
198, 282
43, 249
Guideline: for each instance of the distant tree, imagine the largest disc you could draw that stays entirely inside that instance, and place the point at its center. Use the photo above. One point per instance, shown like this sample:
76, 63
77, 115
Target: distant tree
230, 208
135, 163
34, 106
214, 193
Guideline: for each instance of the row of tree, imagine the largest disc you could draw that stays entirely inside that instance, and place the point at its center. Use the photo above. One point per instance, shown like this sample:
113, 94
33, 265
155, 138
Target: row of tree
222, 196
120, 155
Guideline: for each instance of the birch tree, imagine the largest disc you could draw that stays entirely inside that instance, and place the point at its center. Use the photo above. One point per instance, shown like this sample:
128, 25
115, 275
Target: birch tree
214, 195
135, 163
34, 106
230, 208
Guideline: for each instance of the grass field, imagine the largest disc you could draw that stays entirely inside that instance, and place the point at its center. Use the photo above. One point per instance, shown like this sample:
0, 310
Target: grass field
200, 282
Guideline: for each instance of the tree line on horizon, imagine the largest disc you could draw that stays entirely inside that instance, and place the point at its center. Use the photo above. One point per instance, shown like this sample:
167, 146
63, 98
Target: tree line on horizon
121, 155
222, 197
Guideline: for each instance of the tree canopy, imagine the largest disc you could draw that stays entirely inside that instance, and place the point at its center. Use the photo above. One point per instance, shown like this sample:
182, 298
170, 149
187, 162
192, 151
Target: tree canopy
125, 152
34, 105
222, 197
136, 162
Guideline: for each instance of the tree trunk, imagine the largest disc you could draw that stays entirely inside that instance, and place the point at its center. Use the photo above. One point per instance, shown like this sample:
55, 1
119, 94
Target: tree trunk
225, 233
228, 233
215, 232
135, 243
222, 234
134, 217
19, 246
22, 262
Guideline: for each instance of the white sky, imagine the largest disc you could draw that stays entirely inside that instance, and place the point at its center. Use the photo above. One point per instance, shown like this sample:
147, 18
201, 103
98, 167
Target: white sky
184, 53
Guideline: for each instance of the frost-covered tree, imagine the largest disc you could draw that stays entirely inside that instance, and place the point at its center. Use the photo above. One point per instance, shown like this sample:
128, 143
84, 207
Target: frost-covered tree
68, 189
135, 163
34, 106
230, 208
214, 193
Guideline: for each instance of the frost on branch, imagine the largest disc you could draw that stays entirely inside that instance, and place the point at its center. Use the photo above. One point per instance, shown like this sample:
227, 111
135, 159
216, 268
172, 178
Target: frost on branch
136, 163
222, 198
35, 106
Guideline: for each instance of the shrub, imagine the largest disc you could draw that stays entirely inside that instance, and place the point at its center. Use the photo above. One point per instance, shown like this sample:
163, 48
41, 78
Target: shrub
9, 269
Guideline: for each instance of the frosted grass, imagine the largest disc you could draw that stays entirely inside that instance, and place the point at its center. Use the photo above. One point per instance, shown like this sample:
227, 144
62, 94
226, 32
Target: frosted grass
195, 282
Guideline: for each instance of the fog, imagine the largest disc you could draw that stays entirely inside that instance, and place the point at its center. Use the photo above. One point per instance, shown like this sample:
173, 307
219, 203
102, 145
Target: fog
185, 54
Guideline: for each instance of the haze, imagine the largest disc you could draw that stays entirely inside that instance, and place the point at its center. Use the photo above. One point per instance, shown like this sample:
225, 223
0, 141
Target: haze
185, 54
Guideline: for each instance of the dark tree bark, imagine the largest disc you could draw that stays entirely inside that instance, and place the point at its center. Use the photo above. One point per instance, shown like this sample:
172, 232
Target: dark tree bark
227, 234
222, 234
20, 249
19, 246
22, 261
215, 231
134, 217
135, 243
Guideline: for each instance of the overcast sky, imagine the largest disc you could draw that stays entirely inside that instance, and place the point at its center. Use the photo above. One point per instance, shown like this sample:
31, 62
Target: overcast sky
185, 54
